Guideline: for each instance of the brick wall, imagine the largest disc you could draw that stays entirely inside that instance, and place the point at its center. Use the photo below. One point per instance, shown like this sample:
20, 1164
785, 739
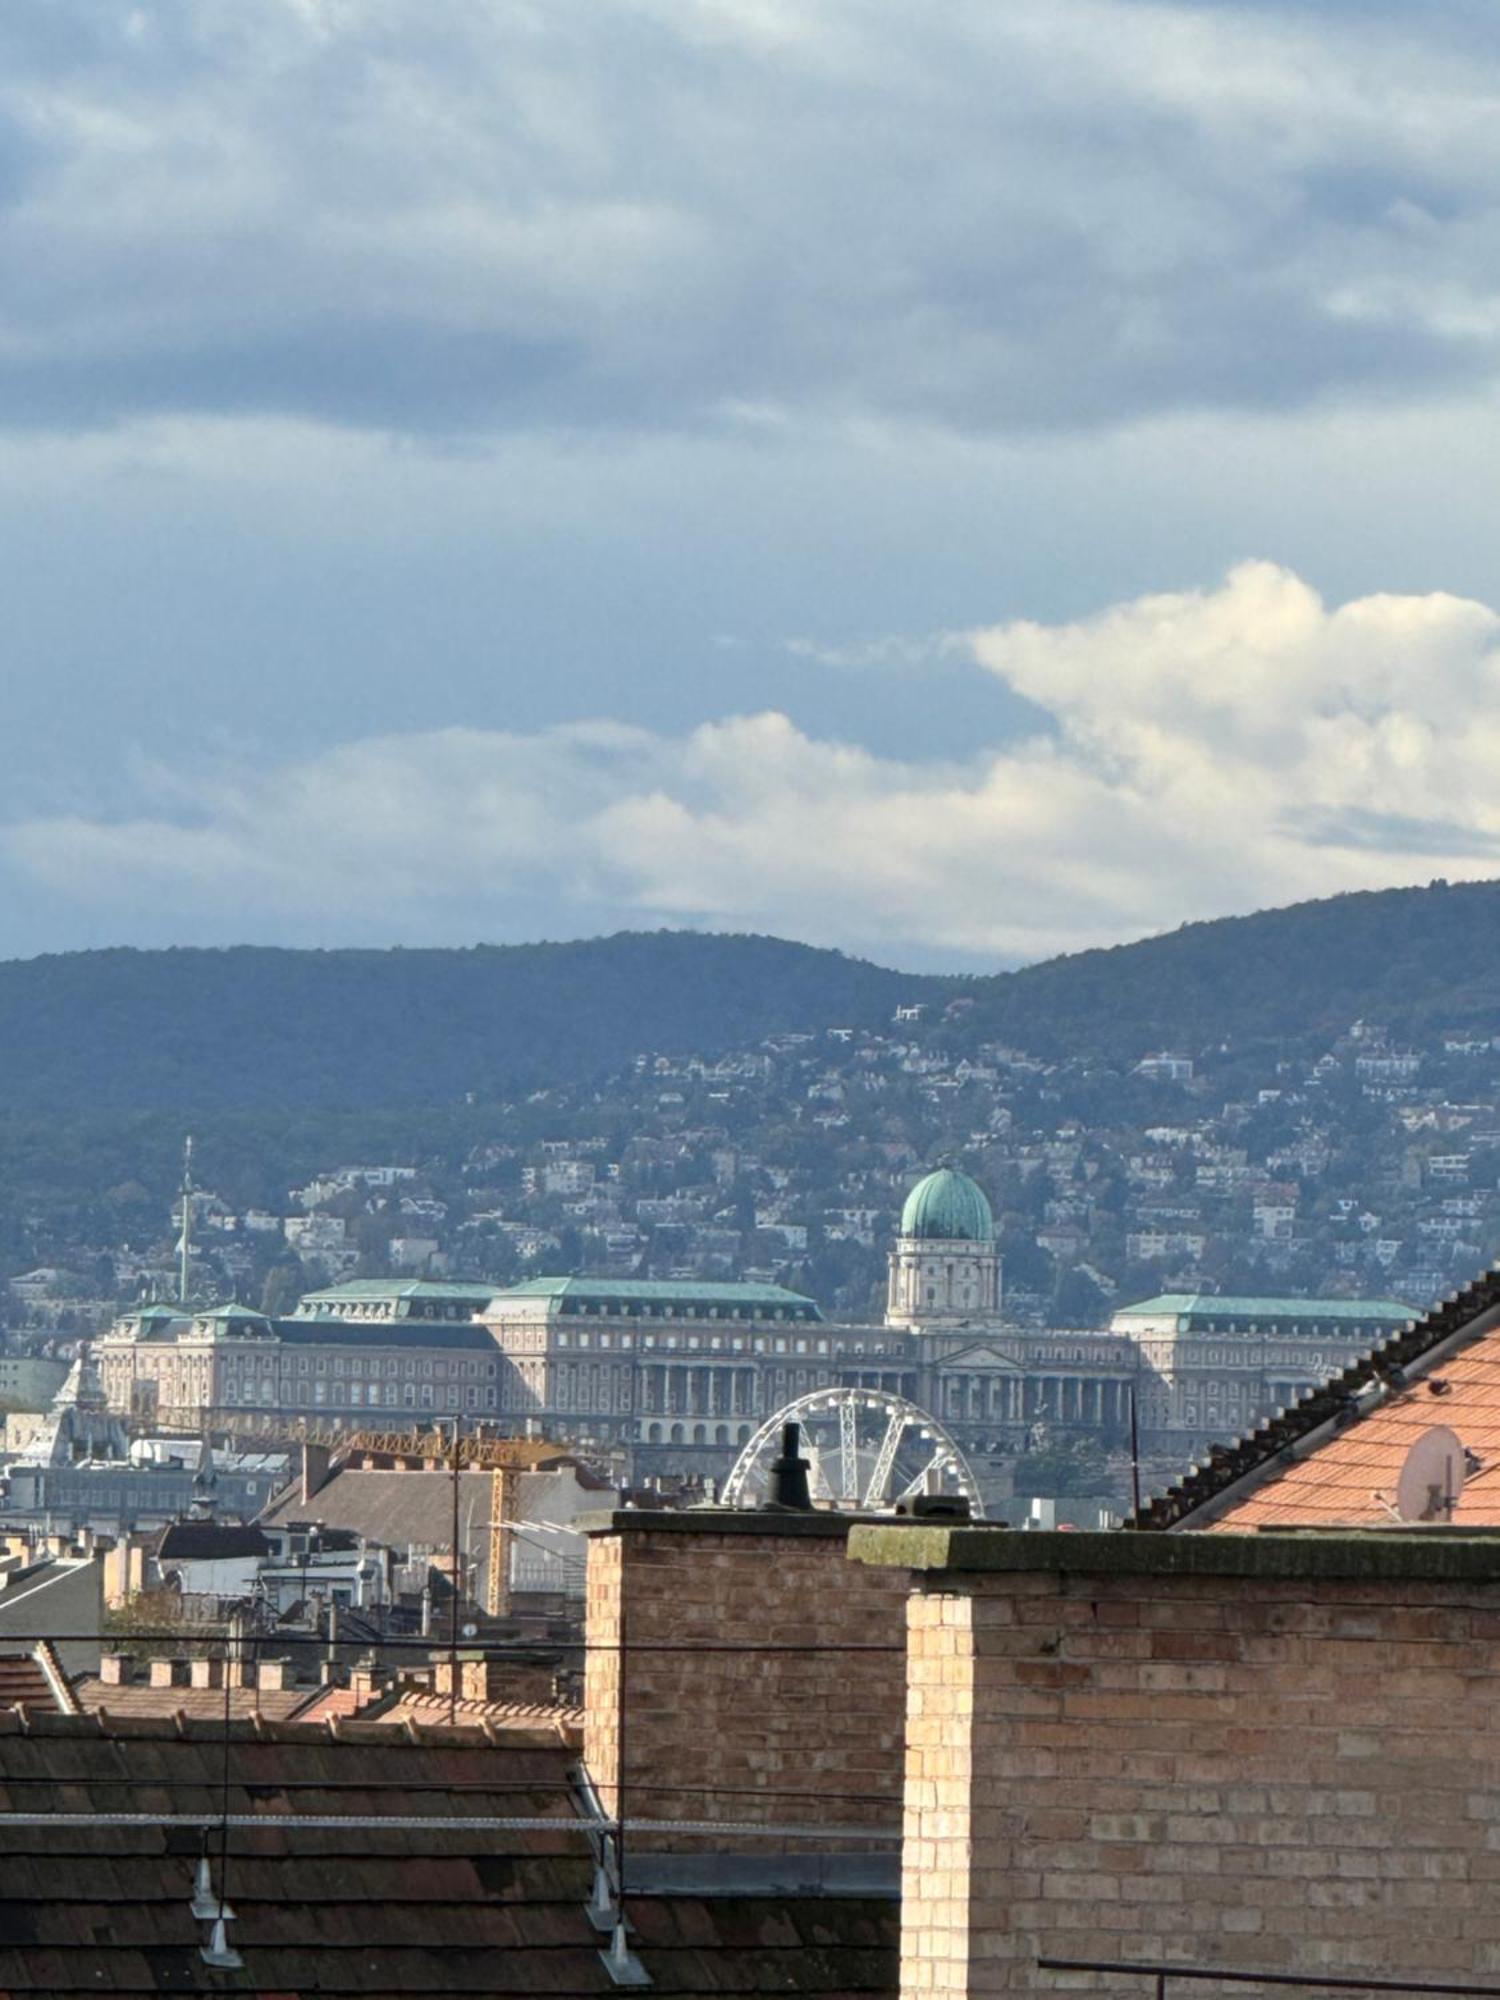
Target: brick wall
1251, 1769
773, 1702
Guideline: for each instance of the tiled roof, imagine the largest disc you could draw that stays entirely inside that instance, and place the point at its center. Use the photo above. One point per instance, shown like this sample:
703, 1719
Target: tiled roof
136, 1698
35, 1680
375, 1910
437, 1710
1321, 1462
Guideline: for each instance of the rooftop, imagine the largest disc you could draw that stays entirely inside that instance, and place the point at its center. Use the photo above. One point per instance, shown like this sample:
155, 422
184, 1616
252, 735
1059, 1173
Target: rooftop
403, 1288
477, 1904
308, 1331
660, 1291
397, 1509
1210, 1309
1452, 1343
1350, 1478
209, 1541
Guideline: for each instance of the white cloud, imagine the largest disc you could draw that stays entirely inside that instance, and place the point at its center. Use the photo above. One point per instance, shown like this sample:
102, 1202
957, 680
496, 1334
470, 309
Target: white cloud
1212, 751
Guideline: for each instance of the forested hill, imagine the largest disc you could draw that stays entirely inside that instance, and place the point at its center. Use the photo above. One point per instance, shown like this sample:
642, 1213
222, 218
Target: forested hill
1408, 958
252, 1028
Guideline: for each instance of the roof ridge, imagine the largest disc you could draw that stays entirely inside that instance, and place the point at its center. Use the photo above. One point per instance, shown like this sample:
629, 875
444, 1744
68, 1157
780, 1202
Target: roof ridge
1332, 1402
179, 1726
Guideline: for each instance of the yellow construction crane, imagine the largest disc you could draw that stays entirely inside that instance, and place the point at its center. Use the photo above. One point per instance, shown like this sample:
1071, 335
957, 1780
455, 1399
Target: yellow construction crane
428, 1451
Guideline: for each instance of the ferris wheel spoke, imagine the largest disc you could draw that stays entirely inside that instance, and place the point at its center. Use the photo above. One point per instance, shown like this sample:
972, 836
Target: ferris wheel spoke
817, 1477
848, 1451
938, 1463
885, 1458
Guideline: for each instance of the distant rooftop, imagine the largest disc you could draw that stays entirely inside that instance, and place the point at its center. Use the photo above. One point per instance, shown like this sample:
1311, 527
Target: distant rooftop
1212, 1311
640, 1296
403, 1288
304, 1330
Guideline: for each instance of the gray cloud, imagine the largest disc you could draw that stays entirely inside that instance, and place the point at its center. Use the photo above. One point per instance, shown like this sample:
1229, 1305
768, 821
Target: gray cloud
437, 217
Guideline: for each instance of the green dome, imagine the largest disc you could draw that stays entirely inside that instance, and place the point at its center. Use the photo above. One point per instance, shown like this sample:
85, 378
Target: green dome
949, 1206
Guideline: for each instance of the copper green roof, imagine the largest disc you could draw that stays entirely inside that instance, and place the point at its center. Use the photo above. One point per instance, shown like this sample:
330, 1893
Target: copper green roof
466, 1334
677, 1293
406, 1288
948, 1207
1211, 1310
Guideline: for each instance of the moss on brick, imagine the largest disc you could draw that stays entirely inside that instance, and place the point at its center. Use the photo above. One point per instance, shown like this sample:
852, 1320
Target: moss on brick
1421, 1554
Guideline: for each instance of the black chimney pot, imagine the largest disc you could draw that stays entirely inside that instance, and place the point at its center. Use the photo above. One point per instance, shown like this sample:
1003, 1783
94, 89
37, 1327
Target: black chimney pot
787, 1485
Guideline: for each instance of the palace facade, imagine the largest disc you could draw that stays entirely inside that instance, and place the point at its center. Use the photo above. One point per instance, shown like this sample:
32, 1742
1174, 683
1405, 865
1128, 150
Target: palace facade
682, 1371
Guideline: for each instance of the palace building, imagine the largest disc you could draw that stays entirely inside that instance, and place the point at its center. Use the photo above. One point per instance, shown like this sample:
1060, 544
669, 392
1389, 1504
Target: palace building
682, 1371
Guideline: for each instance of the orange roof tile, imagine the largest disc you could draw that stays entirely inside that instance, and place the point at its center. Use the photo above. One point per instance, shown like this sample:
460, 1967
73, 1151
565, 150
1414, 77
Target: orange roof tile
1349, 1481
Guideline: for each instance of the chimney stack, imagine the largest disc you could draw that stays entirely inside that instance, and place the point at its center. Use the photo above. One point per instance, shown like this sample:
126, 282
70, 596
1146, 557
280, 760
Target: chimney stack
315, 1459
786, 1483
703, 1697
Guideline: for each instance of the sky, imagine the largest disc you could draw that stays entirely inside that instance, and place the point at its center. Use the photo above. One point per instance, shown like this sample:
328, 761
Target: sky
955, 484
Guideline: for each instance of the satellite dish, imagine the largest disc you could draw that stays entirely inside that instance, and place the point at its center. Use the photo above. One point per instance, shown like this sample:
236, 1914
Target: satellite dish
1432, 1477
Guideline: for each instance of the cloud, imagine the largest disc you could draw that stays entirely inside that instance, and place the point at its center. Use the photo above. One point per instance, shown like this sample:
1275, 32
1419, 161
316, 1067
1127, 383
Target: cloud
1207, 752
897, 650
424, 216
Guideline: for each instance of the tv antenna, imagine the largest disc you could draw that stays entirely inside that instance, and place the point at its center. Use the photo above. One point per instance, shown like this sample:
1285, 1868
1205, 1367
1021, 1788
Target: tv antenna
1432, 1477
185, 1240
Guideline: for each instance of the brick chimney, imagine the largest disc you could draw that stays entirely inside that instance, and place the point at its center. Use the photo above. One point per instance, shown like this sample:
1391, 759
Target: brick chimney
116, 1669
1129, 1747
364, 1683
797, 1686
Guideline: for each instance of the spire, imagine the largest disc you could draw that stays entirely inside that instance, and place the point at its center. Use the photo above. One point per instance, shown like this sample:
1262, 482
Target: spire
185, 1240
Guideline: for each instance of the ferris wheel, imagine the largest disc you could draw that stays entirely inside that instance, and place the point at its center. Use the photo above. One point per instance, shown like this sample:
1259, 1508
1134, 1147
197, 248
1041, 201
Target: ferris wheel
866, 1449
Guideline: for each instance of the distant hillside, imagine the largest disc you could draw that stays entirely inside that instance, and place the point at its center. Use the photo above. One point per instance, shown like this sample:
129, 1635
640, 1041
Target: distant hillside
253, 1029
1408, 958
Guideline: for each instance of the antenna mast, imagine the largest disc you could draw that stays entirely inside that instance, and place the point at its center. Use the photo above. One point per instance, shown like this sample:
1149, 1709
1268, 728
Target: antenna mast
185, 1240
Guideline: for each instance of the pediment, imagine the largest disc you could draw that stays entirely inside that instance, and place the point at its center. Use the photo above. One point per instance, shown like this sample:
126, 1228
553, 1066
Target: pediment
982, 1356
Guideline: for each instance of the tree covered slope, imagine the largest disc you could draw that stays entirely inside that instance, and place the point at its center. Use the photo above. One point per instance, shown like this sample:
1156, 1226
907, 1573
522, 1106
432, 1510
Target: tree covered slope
255, 1028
